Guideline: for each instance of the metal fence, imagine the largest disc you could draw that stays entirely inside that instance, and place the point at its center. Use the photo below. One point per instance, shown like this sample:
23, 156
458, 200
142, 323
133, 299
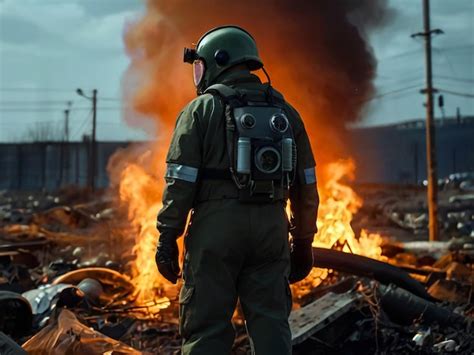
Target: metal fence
397, 153
49, 165
390, 154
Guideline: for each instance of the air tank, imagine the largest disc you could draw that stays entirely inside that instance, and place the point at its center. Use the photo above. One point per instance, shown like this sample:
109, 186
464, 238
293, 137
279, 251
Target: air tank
244, 149
287, 154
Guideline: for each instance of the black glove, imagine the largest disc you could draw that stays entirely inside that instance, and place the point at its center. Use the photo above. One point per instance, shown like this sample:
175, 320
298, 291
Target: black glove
167, 257
301, 259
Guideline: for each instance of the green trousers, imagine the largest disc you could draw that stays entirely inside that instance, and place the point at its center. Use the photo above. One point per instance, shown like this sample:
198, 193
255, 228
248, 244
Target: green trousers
236, 251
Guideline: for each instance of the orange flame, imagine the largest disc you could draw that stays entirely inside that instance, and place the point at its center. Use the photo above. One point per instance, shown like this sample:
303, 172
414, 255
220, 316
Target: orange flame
141, 191
328, 88
339, 203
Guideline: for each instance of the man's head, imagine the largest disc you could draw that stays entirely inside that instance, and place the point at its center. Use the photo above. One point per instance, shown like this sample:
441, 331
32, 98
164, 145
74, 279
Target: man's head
219, 50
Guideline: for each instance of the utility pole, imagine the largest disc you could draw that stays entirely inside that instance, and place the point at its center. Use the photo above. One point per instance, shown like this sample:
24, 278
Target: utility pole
91, 175
432, 196
66, 121
66, 144
93, 140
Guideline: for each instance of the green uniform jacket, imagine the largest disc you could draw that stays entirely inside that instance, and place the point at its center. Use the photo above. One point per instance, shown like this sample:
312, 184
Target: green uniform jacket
199, 142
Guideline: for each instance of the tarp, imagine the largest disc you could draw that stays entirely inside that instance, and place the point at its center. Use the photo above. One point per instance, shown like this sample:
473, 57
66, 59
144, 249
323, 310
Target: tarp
69, 336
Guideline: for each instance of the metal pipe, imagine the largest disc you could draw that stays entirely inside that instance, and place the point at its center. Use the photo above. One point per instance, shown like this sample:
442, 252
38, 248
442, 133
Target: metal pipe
367, 267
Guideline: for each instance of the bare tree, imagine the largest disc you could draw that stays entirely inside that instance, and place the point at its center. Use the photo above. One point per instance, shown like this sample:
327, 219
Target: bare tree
44, 132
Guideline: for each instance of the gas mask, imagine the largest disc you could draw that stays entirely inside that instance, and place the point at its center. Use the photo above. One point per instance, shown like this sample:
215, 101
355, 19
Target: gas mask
199, 66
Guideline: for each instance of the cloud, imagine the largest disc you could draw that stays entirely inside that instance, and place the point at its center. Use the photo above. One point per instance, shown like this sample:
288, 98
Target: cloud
62, 44
99, 8
65, 44
81, 25
401, 62
17, 30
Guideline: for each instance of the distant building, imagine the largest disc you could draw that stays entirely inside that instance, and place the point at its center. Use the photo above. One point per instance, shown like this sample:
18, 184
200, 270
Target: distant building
397, 153
49, 165
385, 154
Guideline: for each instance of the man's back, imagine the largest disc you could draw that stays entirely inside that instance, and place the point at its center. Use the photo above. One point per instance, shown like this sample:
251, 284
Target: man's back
236, 246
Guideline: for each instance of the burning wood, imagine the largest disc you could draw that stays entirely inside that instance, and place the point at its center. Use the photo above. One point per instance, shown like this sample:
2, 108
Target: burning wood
151, 304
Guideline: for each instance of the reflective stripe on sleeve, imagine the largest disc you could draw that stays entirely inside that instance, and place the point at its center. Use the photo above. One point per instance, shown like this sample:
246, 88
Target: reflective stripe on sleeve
181, 172
310, 175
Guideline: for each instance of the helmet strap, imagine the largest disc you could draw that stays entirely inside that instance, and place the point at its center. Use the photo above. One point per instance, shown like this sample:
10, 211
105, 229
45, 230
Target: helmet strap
268, 92
268, 77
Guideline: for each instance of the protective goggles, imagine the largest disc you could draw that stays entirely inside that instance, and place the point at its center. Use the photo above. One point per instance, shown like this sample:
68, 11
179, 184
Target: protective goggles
199, 66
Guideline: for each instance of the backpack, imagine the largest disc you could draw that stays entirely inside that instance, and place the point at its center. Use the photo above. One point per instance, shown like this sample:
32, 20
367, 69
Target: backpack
260, 144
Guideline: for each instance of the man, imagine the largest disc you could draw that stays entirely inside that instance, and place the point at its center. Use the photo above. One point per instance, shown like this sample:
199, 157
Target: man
237, 153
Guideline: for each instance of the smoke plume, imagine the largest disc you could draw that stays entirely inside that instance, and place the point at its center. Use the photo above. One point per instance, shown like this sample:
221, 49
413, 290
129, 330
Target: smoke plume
316, 53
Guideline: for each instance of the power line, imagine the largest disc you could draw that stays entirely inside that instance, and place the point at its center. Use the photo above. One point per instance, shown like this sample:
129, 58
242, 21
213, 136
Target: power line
109, 99
15, 123
400, 79
58, 121
39, 102
50, 109
462, 80
463, 94
460, 47
20, 89
418, 50
401, 54
82, 125
376, 97
40, 109
62, 90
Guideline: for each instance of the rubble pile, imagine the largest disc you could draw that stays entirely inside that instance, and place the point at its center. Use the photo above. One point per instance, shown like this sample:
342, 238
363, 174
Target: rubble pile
402, 212
66, 282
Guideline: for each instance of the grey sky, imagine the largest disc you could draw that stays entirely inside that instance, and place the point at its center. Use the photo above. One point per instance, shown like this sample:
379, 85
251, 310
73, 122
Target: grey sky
63, 44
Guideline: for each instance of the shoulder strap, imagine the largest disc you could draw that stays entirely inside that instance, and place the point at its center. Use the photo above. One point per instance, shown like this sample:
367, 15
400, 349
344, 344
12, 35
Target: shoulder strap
231, 99
234, 98
277, 95
229, 95
222, 90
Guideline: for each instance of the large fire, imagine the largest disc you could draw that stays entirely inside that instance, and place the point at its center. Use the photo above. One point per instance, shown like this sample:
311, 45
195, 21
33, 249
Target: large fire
326, 74
142, 191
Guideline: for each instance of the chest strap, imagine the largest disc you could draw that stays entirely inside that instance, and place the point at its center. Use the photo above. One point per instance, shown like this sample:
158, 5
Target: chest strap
215, 174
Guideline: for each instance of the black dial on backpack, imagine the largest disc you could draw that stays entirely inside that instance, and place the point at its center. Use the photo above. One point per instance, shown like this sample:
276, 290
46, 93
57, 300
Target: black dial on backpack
279, 123
247, 120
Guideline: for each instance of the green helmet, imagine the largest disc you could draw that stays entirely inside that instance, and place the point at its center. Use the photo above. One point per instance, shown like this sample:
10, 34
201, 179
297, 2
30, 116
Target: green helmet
218, 50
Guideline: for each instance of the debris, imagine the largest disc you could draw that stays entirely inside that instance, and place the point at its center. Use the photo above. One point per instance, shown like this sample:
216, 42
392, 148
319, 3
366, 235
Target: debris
420, 248
404, 307
446, 345
62, 251
460, 198
362, 266
44, 297
9, 347
310, 319
67, 335
114, 285
421, 336
91, 288
16, 315
450, 291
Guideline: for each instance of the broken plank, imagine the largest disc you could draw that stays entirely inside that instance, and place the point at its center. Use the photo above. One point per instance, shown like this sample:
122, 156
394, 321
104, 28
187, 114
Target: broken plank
308, 320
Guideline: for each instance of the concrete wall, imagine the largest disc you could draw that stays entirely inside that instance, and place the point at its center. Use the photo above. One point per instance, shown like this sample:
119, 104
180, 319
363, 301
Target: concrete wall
389, 154
397, 153
36, 166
